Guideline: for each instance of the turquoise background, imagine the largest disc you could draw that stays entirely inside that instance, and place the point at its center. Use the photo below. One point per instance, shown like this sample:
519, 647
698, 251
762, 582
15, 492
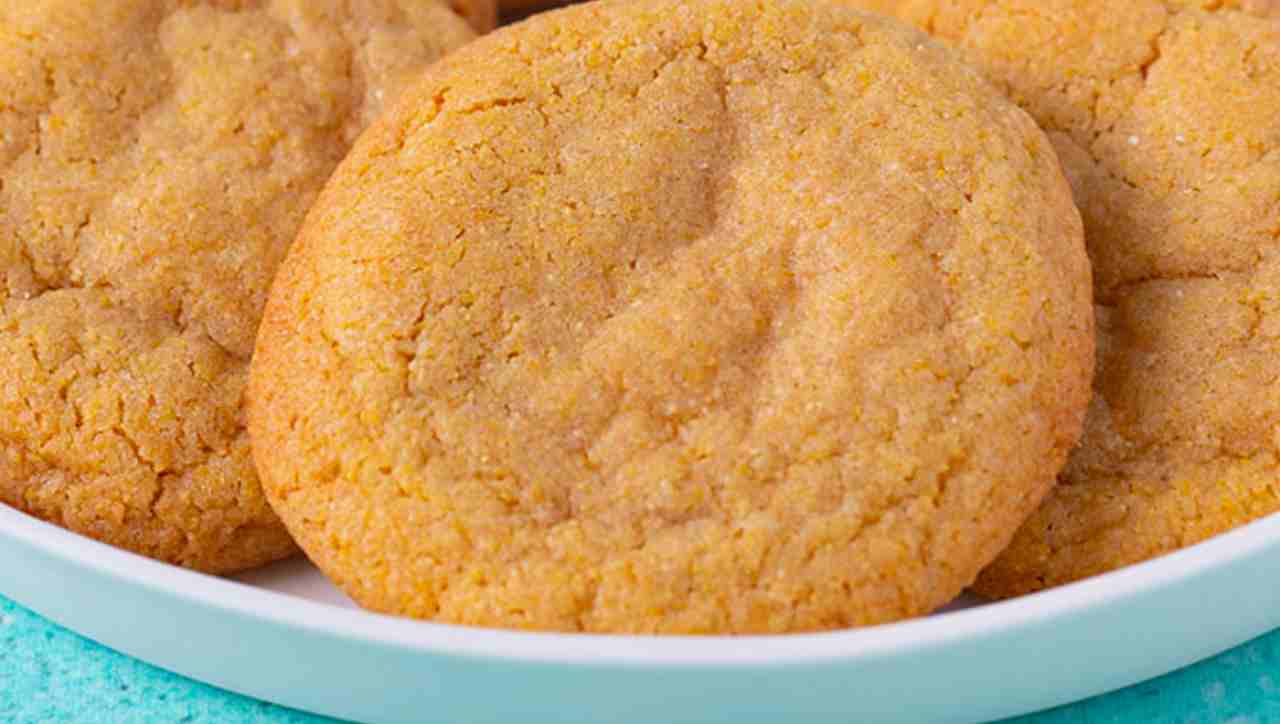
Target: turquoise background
48, 674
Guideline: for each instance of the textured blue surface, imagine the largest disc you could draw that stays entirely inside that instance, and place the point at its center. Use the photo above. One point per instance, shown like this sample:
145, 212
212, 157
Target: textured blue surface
48, 674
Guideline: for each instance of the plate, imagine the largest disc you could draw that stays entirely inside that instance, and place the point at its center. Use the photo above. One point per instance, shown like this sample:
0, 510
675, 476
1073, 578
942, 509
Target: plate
285, 635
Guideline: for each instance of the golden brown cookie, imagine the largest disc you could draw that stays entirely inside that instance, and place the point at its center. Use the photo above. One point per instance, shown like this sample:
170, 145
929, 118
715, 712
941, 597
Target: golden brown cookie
156, 159
678, 316
1167, 118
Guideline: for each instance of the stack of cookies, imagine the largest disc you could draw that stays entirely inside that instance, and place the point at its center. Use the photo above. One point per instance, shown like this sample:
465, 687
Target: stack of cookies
651, 316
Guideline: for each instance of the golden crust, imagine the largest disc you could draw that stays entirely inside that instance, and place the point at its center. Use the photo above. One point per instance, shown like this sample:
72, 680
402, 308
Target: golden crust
156, 158
1164, 114
700, 316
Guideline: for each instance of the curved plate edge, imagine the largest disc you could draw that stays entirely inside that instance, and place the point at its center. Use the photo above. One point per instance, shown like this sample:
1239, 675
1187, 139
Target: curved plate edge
995, 661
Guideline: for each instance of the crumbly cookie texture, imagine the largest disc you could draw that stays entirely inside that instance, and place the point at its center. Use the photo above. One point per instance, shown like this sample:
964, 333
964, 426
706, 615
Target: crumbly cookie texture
678, 316
156, 159
1165, 117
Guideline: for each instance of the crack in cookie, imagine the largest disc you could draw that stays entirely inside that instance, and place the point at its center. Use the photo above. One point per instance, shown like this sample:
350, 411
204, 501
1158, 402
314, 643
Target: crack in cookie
156, 159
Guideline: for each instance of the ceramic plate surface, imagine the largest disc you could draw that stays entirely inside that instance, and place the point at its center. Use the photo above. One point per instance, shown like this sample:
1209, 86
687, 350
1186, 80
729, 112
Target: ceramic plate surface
285, 635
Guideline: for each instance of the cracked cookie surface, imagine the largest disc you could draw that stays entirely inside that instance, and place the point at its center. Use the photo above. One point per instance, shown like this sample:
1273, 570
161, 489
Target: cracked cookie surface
1164, 115
156, 159
700, 316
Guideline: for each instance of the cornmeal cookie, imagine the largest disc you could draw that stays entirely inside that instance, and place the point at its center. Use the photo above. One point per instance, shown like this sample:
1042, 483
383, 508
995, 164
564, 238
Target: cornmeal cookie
678, 316
156, 159
1167, 118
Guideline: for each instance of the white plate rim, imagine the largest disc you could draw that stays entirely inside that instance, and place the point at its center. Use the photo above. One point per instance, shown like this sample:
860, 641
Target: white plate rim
590, 649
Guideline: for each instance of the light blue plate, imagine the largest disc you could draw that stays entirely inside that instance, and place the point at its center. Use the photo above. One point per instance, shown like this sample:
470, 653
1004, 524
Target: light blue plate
286, 637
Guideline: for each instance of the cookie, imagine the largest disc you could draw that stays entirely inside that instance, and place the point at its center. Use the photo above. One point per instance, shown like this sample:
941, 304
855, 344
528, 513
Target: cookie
678, 316
521, 5
1165, 117
156, 159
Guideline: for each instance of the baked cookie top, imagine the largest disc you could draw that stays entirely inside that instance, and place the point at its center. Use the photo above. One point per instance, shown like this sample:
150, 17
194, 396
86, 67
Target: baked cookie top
1165, 117
156, 159
696, 316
